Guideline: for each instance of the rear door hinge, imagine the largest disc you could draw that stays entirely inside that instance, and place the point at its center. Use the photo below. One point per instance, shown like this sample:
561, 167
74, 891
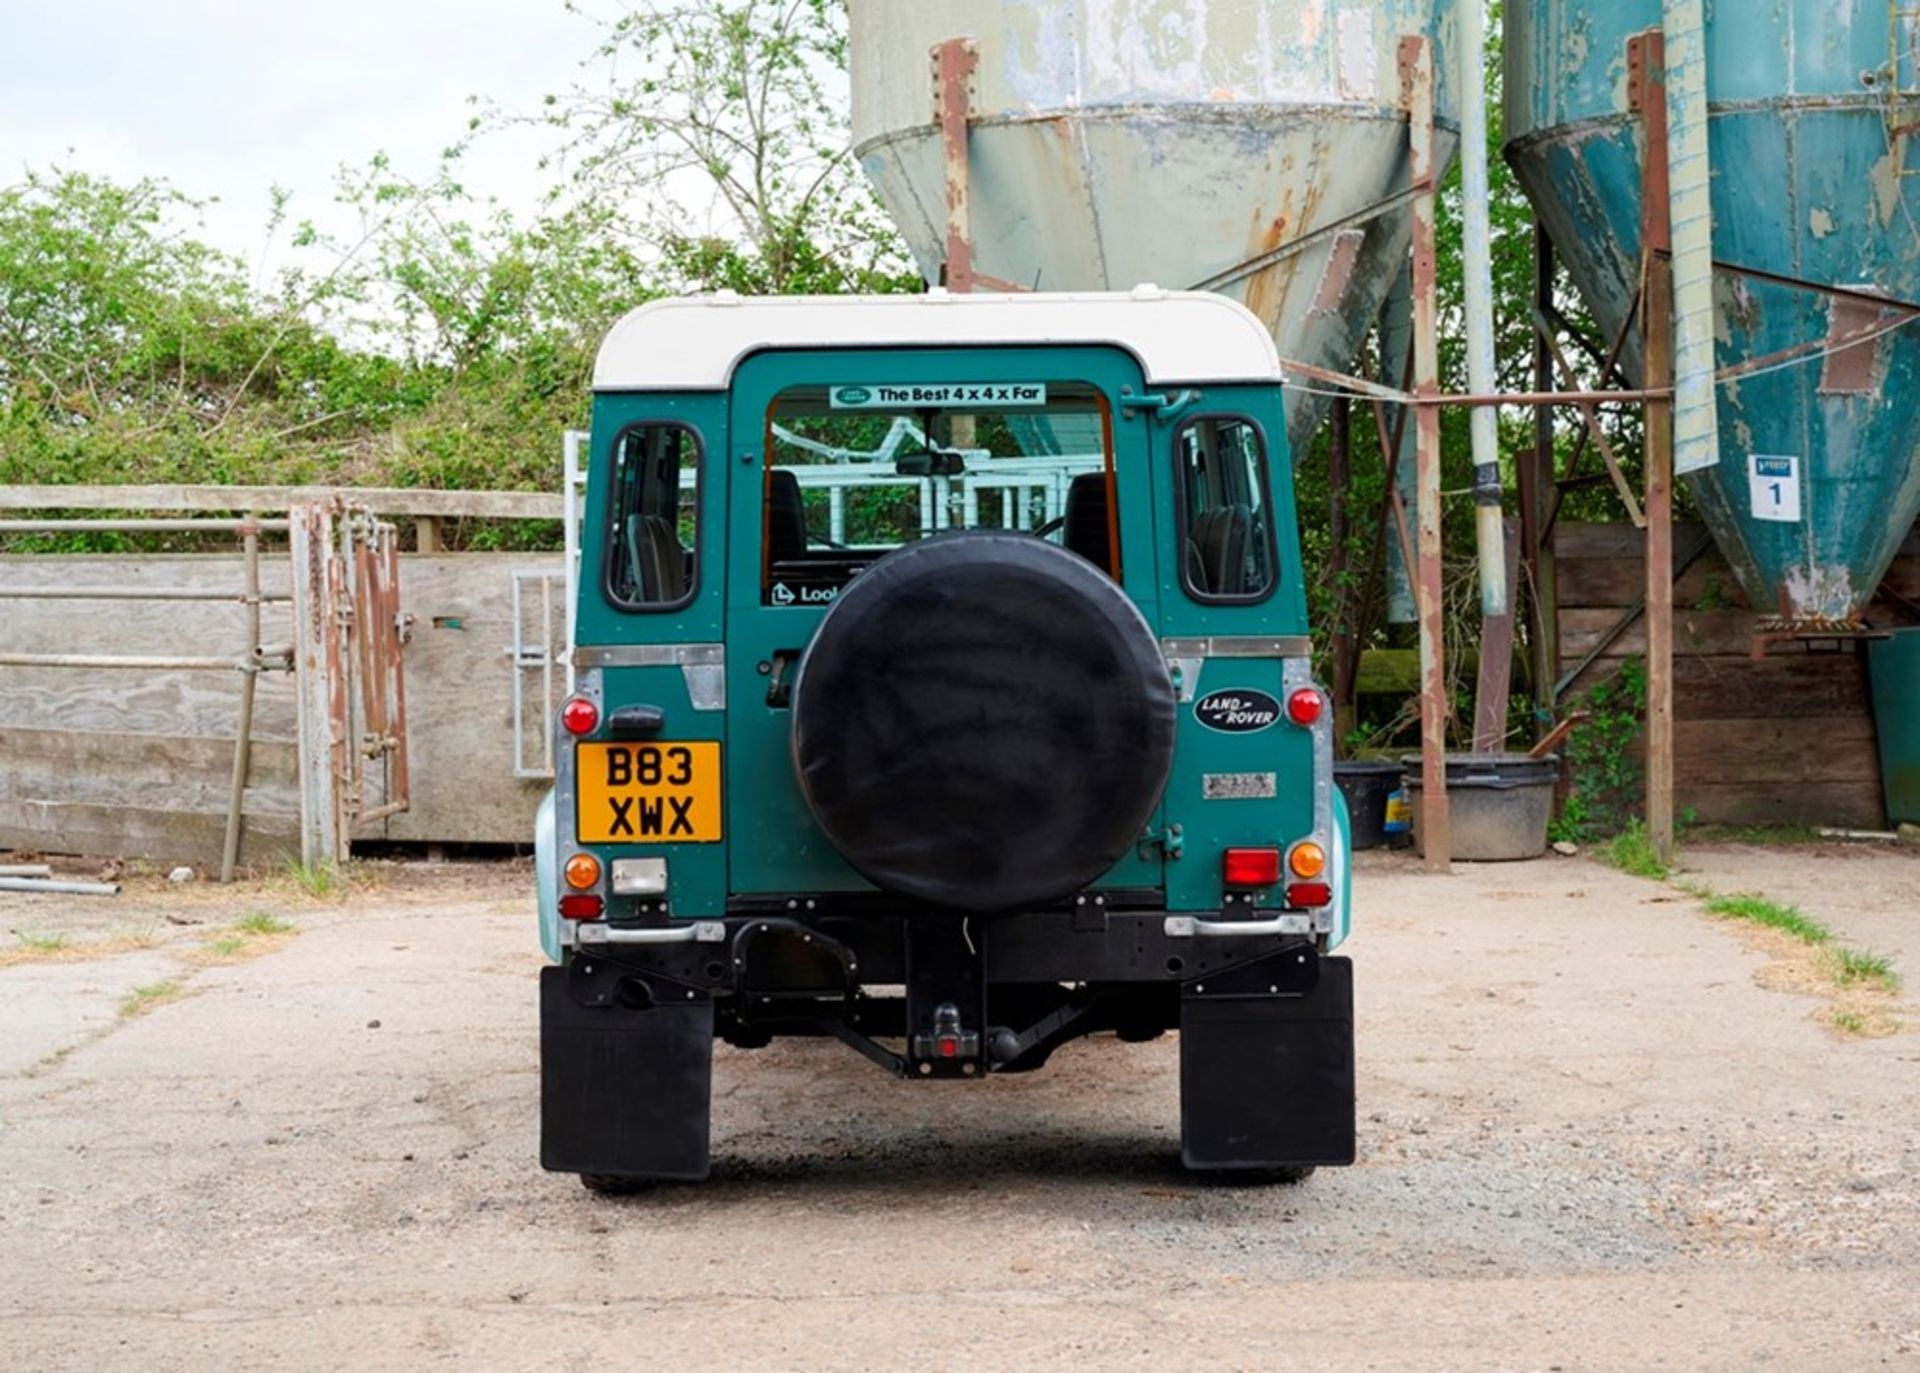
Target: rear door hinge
1169, 841
1162, 407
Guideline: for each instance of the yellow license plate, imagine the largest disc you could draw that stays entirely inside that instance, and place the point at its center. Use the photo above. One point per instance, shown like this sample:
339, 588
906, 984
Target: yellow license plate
648, 793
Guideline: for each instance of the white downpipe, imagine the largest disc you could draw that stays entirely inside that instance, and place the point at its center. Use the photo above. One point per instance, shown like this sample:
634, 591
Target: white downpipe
1482, 374
1696, 416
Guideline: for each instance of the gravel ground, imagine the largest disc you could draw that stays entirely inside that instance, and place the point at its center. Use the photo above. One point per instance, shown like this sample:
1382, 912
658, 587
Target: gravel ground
1590, 1139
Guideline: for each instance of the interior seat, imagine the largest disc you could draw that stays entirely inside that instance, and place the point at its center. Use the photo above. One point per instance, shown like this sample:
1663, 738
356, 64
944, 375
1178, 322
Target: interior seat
1089, 522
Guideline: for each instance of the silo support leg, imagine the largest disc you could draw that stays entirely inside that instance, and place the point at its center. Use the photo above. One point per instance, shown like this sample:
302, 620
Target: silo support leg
1646, 65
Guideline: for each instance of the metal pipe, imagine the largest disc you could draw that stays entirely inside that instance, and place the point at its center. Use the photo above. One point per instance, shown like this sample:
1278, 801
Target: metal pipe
1397, 442
105, 662
1696, 414
58, 888
1294, 247
243, 733
131, 593
1482, 373
137, 526
25, 870
1640, 397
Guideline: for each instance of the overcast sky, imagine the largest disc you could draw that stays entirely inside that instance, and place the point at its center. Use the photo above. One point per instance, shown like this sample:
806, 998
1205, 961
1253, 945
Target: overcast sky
228, 98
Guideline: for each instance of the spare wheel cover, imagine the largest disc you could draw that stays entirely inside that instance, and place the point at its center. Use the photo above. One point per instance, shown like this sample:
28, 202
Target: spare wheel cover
983, 721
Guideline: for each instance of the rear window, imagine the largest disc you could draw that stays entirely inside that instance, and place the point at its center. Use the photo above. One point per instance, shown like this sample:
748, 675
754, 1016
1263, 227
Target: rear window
854, 472
1225, 513
654, 531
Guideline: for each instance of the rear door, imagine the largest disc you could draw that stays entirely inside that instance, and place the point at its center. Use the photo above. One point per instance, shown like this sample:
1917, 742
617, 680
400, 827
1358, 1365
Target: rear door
837, 457
651, 611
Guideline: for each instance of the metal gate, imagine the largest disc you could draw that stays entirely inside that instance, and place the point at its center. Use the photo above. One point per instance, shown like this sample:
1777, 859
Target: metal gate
350, 637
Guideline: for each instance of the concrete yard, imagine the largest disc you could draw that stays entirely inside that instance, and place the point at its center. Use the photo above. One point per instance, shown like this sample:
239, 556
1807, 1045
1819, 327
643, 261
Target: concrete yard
1595, 1133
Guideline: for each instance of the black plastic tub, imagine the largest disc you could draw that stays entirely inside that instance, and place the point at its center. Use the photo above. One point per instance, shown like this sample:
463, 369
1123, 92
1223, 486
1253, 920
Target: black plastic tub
1501, 804
1367, 787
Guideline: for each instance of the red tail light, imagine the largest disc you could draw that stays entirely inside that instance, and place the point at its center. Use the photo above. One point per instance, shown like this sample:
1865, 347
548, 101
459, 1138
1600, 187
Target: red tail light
1251, 867
582, 907
579, 716
1304, 706
1309, 895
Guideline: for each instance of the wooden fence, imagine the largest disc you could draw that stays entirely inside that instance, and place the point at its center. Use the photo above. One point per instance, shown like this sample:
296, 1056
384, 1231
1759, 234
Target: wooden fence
1785, 739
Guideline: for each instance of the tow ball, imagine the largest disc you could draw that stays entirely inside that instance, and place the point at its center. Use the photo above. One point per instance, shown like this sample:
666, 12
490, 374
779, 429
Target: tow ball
948, 1044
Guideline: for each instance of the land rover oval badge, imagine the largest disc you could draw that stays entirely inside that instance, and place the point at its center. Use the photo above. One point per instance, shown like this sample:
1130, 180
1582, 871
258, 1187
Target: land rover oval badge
1238, 712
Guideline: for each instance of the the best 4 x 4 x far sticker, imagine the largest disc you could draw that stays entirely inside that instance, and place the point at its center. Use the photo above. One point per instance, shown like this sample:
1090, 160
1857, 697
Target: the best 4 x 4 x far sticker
939, 396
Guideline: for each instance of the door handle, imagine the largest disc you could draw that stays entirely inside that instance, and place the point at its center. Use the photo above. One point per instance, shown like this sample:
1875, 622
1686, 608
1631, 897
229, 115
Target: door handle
637, 722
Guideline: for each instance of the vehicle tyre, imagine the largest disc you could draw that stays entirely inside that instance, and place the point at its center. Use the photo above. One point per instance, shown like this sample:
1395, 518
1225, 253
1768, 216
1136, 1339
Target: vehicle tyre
615, 1184
983, 722
1259, 1177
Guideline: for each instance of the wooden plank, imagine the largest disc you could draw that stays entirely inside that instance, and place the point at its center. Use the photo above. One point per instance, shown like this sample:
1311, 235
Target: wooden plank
1847, 805
103, 767
161, 835
1601, 565
1613, 540
242, 500
1782, 685
1784, 752
1598, 583
1801, 686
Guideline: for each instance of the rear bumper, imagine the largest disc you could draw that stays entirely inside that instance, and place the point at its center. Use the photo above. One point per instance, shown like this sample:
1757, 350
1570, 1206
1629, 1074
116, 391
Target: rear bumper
1087, 945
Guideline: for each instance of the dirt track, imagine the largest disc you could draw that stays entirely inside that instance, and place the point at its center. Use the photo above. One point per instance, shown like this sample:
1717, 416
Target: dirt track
1589, 1139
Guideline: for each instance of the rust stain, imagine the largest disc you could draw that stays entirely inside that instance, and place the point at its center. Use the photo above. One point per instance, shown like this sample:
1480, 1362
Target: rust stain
1266, 289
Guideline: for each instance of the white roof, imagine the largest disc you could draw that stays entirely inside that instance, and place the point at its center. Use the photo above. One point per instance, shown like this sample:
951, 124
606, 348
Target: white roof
694, 343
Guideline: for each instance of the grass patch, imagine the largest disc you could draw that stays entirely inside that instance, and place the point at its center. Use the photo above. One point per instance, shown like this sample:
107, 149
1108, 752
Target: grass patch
1849, 1022
318, 880
248, 937
35, 947
143, 999
1790, 920
1854, 967
1631, 851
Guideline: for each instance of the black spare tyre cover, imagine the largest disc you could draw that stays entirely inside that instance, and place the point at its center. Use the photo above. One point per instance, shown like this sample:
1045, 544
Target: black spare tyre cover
984, 721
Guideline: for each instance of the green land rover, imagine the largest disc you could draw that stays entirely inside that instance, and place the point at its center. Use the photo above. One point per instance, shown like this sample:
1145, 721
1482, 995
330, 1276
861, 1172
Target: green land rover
943, 688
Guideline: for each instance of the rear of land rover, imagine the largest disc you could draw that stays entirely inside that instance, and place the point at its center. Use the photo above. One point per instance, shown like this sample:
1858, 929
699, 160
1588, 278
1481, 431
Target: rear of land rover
943, 689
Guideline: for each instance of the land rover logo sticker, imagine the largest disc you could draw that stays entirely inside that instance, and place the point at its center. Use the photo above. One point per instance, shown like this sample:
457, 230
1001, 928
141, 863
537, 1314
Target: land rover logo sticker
1238, 712
851, 397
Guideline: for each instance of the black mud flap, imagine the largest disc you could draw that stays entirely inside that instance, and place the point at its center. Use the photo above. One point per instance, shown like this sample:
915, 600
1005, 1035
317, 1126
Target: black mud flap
1266, 1077
626, 1077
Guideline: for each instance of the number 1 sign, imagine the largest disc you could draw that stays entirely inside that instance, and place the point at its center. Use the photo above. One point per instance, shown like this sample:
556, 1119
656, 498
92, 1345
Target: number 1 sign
1775, 486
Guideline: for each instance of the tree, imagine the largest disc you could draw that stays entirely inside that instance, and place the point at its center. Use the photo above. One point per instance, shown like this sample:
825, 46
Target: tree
722, 127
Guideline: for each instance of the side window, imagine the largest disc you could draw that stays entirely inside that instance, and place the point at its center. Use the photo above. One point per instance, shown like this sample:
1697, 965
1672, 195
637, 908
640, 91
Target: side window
653, 518
1226, 518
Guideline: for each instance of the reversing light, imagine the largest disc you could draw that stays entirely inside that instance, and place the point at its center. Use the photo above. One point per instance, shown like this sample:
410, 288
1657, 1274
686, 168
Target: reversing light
1304, 896
583, 871
578, 907
579, 716
1305, 706
1307, 860
1251, 867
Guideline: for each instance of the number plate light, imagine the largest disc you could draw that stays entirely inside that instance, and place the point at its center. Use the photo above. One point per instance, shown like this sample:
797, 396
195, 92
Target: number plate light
639, 877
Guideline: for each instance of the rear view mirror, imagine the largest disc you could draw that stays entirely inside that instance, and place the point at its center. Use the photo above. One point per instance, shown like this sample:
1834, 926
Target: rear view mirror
938, 462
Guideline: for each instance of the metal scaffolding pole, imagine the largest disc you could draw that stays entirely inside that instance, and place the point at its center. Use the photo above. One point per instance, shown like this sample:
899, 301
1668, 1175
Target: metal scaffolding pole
1436, 827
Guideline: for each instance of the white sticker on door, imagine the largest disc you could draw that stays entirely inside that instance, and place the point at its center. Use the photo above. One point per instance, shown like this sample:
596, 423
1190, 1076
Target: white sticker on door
1775, 487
